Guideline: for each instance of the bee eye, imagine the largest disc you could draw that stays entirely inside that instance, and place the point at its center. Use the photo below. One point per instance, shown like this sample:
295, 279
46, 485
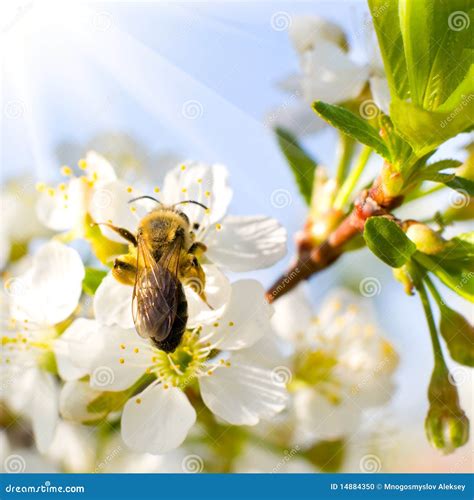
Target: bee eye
196, 226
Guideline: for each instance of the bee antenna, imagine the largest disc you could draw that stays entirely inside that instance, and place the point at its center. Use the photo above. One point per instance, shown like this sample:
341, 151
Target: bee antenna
191, 201
145, 197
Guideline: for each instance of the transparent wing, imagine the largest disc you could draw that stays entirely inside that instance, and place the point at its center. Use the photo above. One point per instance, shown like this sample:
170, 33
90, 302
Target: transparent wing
156, 292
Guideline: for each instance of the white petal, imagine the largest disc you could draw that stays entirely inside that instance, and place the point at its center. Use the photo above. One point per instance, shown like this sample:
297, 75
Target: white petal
76, 347
344, 304
242, 394
380, 93
292, 315
110, 203
43, 409
331, 76
157, 420
49, 291
269, 352
199, 182
297, 118
113, 303
122, 359
74, 398
217, 291
73, 447
98, 168
321, 419
290, 84
59, 213
307, 32
246, 243
245, 319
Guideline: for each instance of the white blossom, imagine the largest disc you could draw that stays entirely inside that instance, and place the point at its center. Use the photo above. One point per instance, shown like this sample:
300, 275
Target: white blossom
341, 365
213, 355
41, 298
328, 72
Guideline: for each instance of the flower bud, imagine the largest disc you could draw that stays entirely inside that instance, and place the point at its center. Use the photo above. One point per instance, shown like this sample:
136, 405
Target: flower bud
446, 424
426, 239
392, 180
446, 431
402, 275
459, 336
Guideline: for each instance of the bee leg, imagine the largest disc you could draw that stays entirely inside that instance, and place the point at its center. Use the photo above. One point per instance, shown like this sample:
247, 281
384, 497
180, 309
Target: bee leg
197, 248
124, 233
192, 273
124, 272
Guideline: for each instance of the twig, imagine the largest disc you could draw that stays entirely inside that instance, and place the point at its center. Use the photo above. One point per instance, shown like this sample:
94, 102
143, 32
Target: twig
314, 258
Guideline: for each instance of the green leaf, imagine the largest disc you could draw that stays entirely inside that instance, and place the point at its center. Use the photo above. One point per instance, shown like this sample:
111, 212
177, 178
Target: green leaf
462, 185
387, 241
427, 50
458, 334
301, 163
437, 45
433, 168
460, 248
456, 274
92, 280
352, 125
387, 27
425, 130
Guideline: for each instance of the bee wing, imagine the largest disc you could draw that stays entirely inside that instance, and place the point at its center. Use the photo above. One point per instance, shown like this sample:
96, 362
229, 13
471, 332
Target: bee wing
156, 293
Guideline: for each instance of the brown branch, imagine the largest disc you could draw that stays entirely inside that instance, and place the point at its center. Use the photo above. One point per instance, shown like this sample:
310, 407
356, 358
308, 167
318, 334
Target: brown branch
314, 258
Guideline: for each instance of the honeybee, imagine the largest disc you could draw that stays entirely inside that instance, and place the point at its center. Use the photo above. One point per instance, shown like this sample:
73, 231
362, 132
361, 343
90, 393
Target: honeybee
163, 256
